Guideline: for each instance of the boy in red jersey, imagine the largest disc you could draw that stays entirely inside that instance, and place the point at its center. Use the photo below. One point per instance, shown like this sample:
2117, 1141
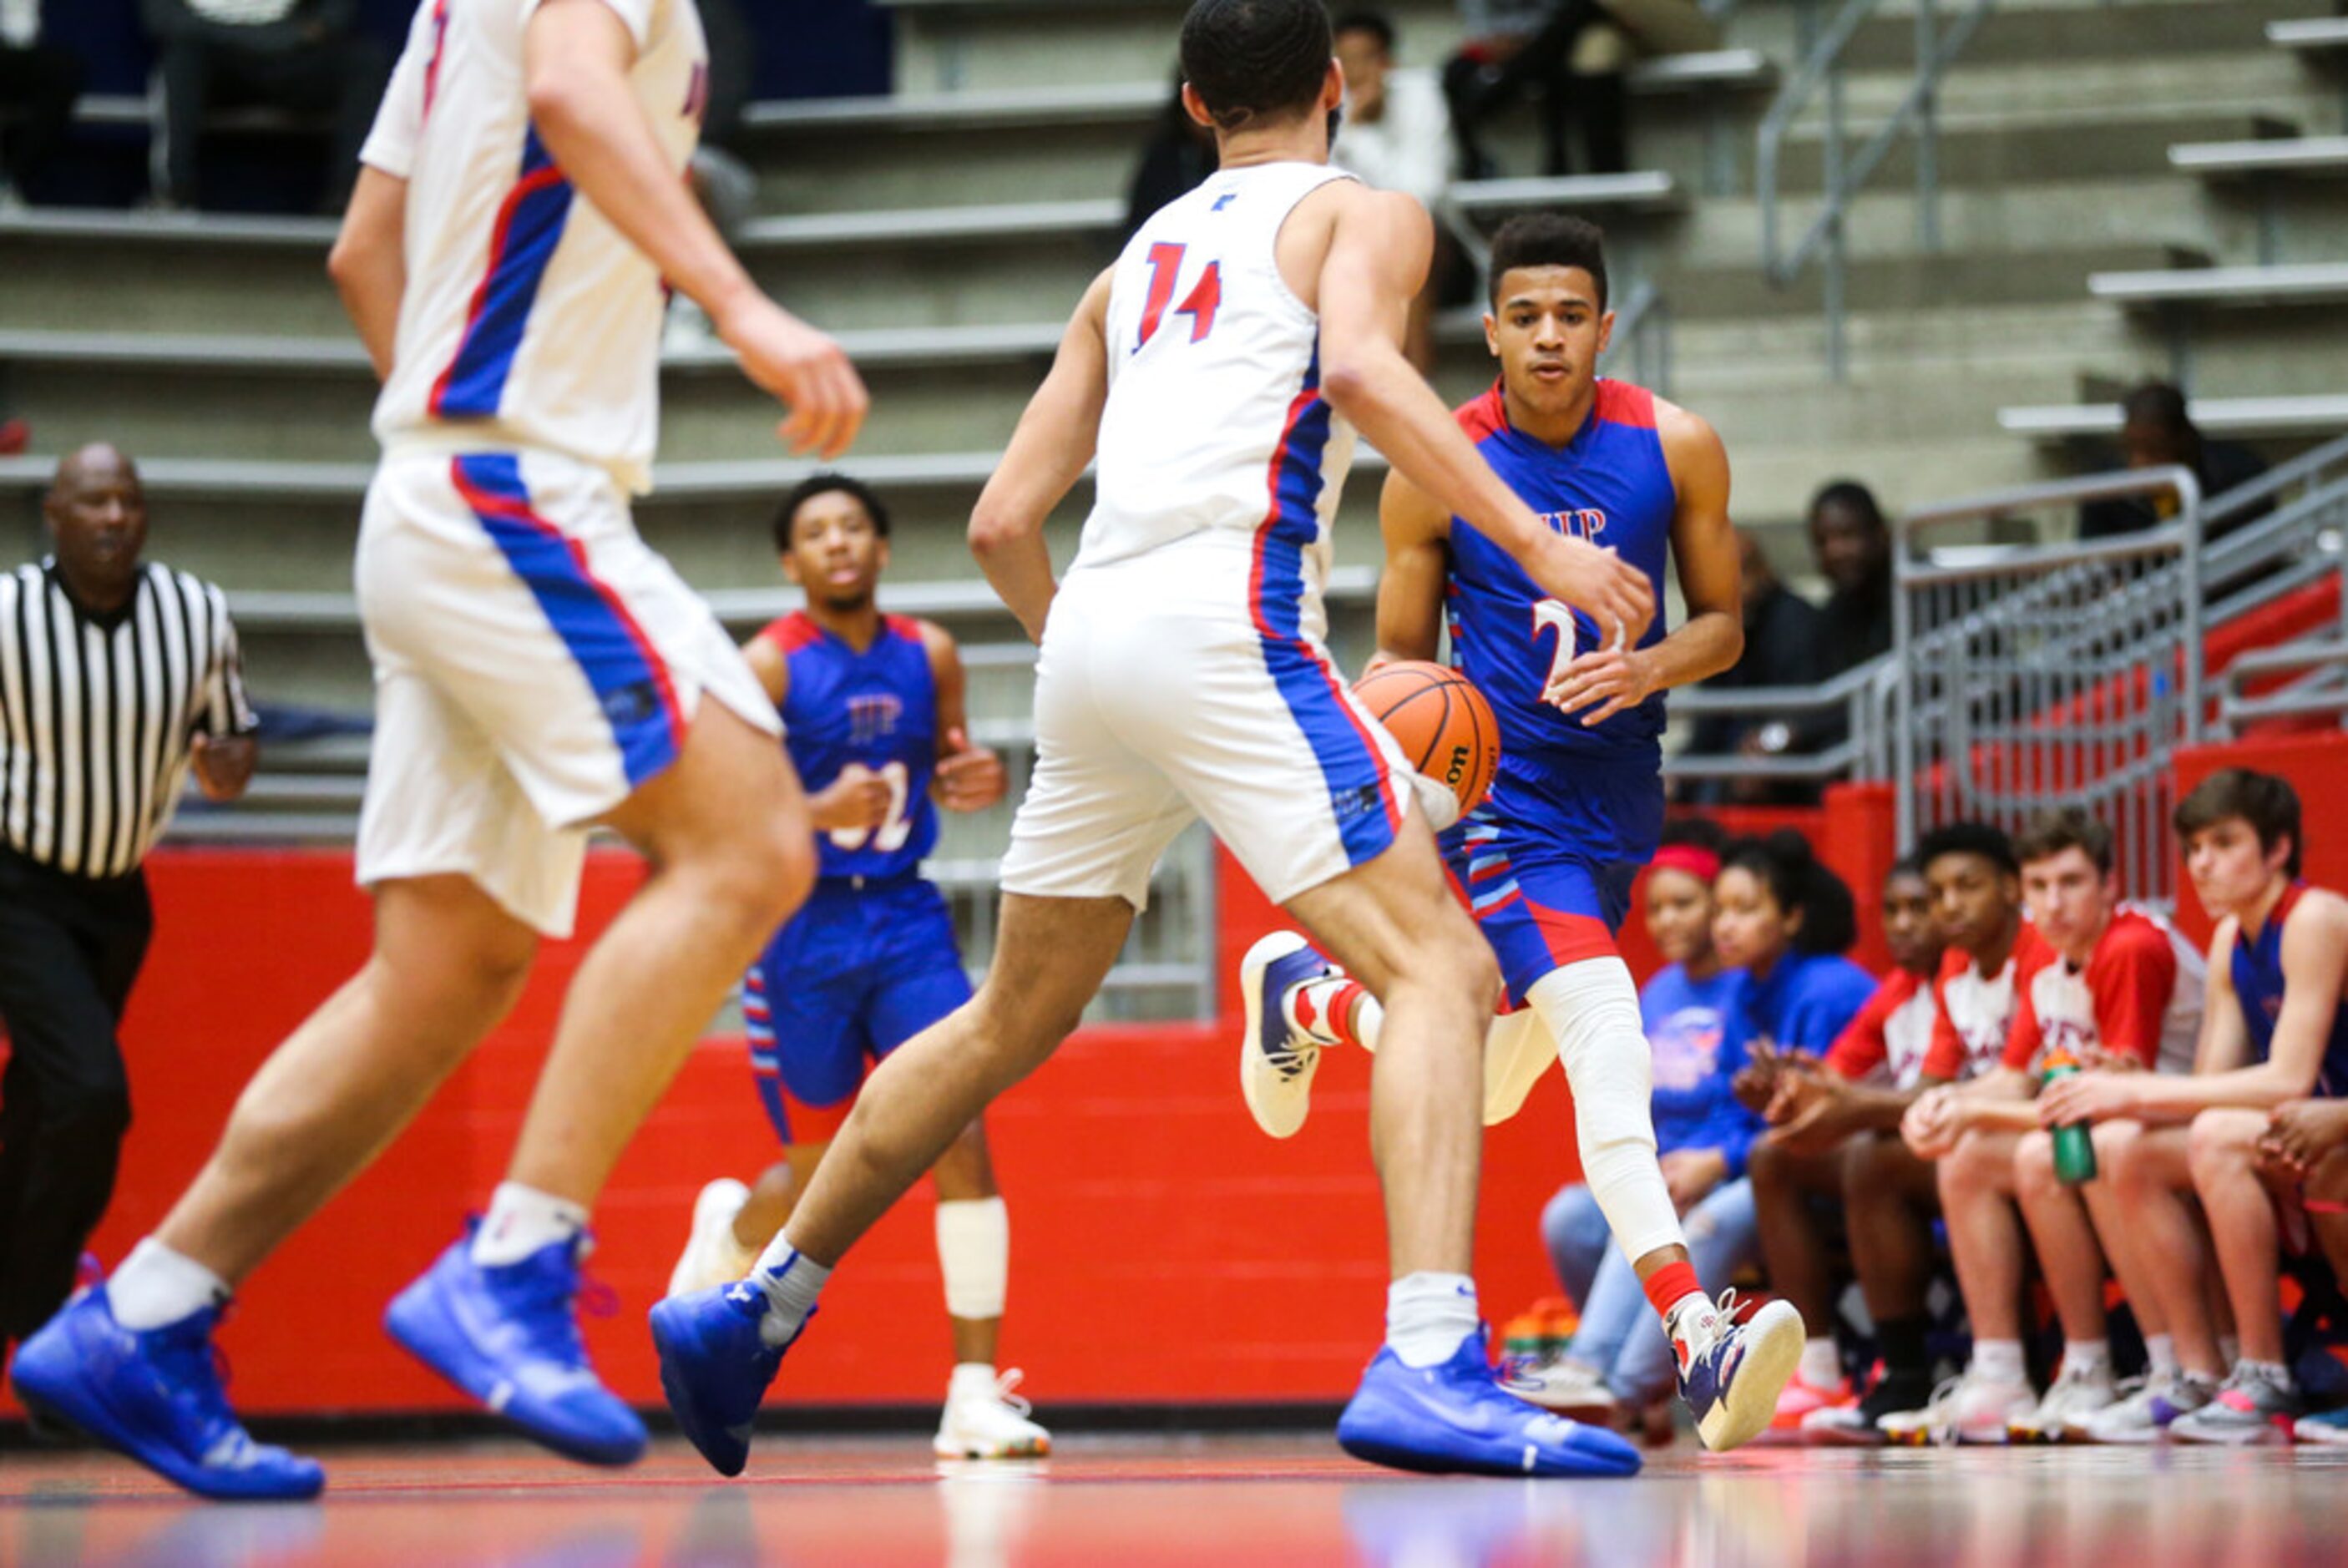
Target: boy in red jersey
2274, 1031
2121, 992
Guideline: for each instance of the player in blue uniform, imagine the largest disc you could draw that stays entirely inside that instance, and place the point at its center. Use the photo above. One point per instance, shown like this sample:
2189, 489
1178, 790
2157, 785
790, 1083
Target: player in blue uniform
2274, 1030
1548, 862
872, 707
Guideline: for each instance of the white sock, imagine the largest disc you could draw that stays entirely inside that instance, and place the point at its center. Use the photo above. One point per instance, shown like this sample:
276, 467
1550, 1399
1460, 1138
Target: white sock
1693, 1320
156, 1285
1368, 1016
1591, 1008
792, 1281
2087, 1356
2230, 1351
1822, 1363
1998, 1361
523, 1221
2160, 1356
2274, 1372
1427, 1316
972, 1380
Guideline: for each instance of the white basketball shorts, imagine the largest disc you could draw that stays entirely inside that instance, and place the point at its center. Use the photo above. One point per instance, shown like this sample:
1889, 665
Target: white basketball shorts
535, 664
1191, 682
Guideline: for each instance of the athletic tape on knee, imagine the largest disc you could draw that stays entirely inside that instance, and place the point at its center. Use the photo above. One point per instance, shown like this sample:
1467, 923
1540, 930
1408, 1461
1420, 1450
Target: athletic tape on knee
974, 1255
1591, 1010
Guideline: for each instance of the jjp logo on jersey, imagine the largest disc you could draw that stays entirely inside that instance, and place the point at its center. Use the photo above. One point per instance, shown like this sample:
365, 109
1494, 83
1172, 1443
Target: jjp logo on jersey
1585, 522
630, 705
1362, 802
872, 716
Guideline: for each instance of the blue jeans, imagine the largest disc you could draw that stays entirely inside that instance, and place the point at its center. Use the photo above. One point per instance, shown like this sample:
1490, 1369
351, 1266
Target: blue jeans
1620, 1339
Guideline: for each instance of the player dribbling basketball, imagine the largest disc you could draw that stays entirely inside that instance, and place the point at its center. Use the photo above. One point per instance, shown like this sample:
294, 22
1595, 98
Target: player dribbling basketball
1549, 859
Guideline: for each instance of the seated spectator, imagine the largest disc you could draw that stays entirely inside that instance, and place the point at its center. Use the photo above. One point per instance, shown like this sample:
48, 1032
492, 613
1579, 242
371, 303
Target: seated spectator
1396, 135
2274, 1031
2305, 1152
1782, 638
1819, 1128
1852, 546
307, 56
2120, 992
1618, 1360
38, 84
2157, 431
1179, 155
1573, 53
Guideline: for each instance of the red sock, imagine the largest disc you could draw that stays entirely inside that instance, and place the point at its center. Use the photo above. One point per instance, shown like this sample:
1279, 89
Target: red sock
1668, 1284
1338, 1016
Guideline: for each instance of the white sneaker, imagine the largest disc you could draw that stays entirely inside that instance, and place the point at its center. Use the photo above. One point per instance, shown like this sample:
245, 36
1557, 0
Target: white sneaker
2143, 1417
1566, 1386
1278, 1056
2071, 1398
712, 1257
1966, 1409
985, 1420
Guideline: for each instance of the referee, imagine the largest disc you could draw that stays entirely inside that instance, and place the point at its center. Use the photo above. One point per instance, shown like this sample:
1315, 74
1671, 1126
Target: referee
115, 678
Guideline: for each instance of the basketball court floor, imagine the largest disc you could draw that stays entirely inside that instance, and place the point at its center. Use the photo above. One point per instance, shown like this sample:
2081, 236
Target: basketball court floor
1132, 1502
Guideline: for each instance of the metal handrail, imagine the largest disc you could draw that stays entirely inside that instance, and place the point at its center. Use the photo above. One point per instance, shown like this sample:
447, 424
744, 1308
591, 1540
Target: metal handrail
1822, 68
2322, 690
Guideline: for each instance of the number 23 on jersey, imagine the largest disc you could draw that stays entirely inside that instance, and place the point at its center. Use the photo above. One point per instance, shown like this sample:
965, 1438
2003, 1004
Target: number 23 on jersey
1206, 296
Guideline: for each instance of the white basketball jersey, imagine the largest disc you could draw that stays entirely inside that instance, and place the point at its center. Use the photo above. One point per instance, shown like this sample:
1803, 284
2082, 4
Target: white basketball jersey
527, 320
1214, 421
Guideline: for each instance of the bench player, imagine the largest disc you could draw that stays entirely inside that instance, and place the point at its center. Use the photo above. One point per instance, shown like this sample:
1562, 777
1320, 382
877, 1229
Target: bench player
1219, 369
1576, 811
873, 708
538, 670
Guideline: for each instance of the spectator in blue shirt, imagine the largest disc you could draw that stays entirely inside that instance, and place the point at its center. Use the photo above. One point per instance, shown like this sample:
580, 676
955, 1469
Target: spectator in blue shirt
1787, 920
1619, 1361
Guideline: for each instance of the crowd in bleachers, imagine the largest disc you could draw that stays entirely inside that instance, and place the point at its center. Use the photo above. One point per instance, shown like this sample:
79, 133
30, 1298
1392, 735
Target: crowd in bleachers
2051, 1103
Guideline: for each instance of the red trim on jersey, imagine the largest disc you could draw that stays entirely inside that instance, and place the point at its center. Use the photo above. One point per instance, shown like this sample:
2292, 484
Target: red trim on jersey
1570, 938
904, 626
1484, 416
1948, 1056
487, 505
1621, 403
2130, 978
792, 631
440, 42
1864, 1047
535, 181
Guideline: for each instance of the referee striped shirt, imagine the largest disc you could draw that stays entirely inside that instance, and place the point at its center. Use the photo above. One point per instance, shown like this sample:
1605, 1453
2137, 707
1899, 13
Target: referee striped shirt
98, 713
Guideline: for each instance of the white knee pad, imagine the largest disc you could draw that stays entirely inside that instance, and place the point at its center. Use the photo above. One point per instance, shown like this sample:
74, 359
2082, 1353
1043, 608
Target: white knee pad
1591, 1011
974, 1255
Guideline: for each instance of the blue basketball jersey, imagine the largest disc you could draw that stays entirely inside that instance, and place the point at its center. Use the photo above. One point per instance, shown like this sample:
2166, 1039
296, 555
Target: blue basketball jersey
2258, 986
1610, 485
879, 707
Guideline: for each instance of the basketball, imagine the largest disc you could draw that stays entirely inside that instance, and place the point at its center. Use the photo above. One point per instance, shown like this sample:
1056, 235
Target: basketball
1442, 722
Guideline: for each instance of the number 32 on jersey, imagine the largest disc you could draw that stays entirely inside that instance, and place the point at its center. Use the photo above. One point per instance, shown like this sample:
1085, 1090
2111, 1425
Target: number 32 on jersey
1206, 296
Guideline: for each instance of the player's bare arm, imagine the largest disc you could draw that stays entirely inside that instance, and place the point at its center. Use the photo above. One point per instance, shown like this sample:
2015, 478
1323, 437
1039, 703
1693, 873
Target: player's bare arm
1417, 534
1704, 551
1047, 455
576, 54
1374, 260
859, 797
968, 778
369, 261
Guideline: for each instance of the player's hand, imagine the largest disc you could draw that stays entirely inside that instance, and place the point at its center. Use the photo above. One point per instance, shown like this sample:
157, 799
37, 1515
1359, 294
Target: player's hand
2088, 1097
1932, 1123
857, 800
1798, 1094
969, 778
803, 367
1690, 1173
2302, 1133
1613, 678
1599, 584
223, 768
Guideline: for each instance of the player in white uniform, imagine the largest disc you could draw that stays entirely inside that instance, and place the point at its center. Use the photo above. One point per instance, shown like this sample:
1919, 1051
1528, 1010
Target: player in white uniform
539, 671
1219, 369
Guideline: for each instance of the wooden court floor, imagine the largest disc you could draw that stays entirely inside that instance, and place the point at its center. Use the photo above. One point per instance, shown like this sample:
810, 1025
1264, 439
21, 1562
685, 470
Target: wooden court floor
1135, 1503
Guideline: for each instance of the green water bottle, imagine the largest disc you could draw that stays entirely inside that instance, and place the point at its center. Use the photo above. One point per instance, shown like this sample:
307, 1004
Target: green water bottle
2074, 1144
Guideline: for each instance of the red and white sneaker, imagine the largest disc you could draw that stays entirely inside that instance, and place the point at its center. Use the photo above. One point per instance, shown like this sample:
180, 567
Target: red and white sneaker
1802, 1398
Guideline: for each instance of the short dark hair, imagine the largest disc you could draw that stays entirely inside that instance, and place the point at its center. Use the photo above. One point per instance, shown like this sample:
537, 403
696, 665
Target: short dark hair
1969, 838
1851, 496
1253, 60
827, 483
1374, 23
2268, 803
2051, 832
1789, 869
2157, 403
1696, 832
1911, 866
1549, 239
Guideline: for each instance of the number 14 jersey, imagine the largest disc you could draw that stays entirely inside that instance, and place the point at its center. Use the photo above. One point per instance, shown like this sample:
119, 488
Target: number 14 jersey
880, 709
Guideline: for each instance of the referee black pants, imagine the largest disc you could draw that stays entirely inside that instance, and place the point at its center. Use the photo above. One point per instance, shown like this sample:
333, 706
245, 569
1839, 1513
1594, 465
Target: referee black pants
70, 948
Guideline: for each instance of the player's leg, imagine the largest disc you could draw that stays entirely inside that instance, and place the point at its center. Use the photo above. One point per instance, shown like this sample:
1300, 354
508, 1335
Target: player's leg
2324, 1191
1986, 1240
2072, 1251
1789, 1190
1573, 1234
2260, 1393
2143, 1198
1889, 1198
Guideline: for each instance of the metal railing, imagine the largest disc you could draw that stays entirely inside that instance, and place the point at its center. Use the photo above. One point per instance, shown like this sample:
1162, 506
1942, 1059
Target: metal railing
1844, 174
2322, 688
1863, 694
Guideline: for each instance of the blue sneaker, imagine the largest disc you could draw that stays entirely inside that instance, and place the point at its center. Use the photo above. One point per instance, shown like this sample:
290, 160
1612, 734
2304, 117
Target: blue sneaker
1732, 1382
1455, 1417
155, 1396
507, 1337
1280, 1052
716, 1366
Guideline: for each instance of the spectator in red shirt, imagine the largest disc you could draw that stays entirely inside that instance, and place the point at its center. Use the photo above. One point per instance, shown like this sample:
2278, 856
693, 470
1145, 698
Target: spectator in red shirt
2120, 992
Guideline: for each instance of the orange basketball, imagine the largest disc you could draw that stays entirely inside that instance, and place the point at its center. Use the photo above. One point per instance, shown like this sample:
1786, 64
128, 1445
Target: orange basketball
1443, 724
